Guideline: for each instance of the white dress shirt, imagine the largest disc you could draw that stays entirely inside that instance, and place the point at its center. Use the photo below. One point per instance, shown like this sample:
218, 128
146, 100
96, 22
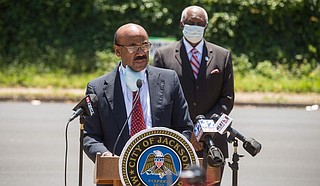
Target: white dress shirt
144, 97
199, 47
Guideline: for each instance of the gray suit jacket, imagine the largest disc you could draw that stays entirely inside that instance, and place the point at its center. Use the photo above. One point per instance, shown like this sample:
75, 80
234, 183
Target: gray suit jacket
213, 91
168, 109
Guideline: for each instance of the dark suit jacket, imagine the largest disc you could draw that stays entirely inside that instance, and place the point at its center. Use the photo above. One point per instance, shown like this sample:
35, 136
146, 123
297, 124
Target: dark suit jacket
168, 109
213, 91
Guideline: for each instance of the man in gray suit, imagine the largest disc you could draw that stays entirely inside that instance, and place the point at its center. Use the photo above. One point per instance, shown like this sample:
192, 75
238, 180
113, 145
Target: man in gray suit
204, 69
161, 97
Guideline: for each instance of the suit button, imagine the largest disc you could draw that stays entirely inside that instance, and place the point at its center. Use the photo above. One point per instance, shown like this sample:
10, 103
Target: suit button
197, 87
194, 104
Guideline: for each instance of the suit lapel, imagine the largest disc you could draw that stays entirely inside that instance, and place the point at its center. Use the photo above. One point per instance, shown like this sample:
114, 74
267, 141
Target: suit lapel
186, 66
114, 94
204, 63
209, 54
156, 88
177, 52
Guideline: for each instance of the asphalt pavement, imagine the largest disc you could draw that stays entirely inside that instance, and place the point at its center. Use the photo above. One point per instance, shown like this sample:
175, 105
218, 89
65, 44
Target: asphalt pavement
32, 123
32, 143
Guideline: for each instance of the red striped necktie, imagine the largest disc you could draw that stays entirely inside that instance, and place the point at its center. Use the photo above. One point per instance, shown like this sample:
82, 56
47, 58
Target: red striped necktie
195, 62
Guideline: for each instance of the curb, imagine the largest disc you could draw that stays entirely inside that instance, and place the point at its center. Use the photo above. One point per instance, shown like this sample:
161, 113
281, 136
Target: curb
277, 99
241, 98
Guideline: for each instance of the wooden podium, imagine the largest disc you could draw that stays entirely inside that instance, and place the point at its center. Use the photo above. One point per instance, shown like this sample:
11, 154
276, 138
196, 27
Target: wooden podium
107, 171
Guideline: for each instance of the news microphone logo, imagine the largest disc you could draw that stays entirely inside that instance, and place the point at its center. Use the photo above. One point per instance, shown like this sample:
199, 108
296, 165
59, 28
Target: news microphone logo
223, 123
85, 107
90, 108
209, 126
198, 132
221, 126
203, 126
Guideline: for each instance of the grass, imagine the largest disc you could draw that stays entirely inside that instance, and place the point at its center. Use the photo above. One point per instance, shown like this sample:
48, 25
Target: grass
45, 80
264, 78
258, 83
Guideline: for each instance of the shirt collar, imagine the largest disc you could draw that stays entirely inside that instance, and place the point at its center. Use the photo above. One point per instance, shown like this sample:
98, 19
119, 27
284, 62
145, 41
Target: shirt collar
199, 47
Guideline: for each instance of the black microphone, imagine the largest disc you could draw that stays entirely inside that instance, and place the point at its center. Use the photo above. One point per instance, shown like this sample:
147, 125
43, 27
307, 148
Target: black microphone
204, 131
134, 101
215, 156
139, 84
252, 146
85, 106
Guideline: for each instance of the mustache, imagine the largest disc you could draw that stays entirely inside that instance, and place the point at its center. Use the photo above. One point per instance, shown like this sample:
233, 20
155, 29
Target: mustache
140, 57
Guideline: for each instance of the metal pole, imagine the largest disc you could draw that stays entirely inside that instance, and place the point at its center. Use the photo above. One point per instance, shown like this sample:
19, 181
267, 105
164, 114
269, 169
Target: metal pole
81, 150
235, 165
235, 160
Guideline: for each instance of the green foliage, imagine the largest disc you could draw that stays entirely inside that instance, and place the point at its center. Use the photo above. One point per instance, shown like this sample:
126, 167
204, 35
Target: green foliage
265, 77
241, 64
268, 77
106, 61
33, 75
30, 76
269, 39
55, 34
281, 31
256, 83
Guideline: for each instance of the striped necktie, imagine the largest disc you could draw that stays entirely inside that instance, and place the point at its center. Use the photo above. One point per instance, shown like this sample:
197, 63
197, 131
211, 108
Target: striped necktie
195, 63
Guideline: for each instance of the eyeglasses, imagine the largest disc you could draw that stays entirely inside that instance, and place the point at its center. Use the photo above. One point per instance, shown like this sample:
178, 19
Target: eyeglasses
133, 49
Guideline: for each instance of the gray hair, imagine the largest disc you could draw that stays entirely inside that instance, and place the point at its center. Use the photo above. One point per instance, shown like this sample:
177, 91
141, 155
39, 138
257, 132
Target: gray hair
184, 13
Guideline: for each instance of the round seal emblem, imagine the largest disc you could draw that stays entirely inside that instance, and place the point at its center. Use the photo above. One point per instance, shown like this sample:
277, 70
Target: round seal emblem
156, 156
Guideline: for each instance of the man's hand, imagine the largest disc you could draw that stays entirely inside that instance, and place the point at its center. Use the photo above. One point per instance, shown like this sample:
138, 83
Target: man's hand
108, 154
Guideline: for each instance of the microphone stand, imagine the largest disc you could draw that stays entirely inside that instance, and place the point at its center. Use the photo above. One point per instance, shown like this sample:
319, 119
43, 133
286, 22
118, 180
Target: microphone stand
81, 149
235, 165
205, 158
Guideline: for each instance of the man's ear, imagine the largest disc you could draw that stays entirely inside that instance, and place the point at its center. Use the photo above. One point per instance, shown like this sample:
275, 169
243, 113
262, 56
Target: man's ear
181, 25
117, 50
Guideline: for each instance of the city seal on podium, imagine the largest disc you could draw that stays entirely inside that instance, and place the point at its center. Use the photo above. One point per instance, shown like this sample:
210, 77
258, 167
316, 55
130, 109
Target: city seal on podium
156, 156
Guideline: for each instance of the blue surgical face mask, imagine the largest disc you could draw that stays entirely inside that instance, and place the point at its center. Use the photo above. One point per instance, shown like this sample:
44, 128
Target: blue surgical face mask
131, 77
193, 33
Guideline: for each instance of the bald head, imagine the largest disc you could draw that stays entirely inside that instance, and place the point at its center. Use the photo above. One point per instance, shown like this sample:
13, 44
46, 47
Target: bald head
129, 30
132, 45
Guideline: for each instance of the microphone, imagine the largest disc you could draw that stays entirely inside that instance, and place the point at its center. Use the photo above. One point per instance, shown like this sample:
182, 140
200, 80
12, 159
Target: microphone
85, 106
139, 84
223, 124
210, 126
204, 131
134, 101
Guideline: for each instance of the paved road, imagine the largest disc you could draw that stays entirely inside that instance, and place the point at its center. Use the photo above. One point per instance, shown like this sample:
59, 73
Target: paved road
32, 146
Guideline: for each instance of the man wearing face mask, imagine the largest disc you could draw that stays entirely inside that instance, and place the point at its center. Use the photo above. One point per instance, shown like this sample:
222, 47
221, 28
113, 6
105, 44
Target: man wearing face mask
160, 99
204, 69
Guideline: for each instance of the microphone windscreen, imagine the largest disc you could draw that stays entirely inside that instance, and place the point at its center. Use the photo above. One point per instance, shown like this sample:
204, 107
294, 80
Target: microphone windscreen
215, 157
139, 83
252, 146
215, 117
199, 117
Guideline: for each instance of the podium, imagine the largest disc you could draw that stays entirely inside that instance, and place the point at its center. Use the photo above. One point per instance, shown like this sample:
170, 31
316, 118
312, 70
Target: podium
107, 171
